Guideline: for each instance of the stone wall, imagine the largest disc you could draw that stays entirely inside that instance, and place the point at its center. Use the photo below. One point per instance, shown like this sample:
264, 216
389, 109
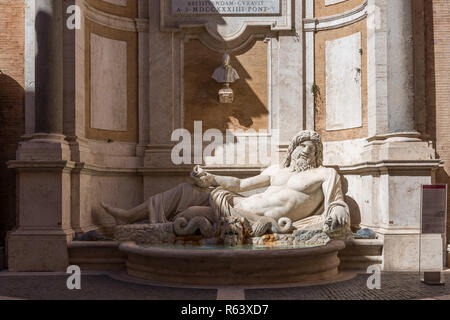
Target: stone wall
106, 110
324, 8
12, 34
250, 108
325, 111
437, 30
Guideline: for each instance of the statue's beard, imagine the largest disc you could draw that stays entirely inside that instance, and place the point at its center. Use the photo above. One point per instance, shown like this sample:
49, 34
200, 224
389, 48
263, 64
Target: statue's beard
301, 164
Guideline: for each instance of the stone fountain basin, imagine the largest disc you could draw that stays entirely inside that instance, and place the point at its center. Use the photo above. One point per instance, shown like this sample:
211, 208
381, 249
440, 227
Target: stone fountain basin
196, 266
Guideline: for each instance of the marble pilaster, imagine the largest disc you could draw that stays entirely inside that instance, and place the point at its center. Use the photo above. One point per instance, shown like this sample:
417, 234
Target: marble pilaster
43, 163
394, 144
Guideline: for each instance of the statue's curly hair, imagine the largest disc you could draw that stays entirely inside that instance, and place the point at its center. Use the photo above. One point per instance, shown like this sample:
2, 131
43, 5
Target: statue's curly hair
305, 135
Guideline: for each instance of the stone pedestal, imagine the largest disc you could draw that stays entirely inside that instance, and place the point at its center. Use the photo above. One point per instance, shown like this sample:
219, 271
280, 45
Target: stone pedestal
32, 250
226, 95
412, 252
40, 241
404, 163
386, 188
44, 193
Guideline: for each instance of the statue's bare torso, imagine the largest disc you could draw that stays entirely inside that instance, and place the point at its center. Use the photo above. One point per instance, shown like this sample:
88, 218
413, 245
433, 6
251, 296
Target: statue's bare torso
294, 195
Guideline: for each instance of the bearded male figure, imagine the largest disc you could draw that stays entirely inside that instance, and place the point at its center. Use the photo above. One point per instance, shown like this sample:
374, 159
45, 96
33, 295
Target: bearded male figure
300, 194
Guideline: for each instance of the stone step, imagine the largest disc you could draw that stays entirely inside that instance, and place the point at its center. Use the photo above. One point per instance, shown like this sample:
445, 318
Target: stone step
97, 255
2, 258
360, 254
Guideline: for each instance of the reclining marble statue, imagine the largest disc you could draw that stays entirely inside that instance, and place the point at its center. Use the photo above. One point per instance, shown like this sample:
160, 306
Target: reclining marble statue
300, 194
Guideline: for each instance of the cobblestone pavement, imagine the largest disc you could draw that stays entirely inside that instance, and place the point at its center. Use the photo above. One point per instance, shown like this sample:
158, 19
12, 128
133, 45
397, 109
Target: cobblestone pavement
394, 286
93, 287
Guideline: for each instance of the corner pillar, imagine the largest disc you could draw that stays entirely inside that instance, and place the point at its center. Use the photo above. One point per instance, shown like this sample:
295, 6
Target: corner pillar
43, 165
394, 142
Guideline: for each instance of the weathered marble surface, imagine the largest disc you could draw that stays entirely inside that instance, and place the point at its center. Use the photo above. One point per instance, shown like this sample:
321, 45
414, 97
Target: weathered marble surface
305, 238
164, 234
146, 233
365, 234
311, 237
341, 234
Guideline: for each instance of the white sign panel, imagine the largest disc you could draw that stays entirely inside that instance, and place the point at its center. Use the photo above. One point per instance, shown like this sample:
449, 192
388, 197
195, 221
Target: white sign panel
343, 83
226, 7
434, 209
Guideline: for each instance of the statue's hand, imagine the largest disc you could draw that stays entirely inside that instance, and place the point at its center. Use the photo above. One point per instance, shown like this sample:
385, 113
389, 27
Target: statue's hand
338, 218
198, 172
202, 178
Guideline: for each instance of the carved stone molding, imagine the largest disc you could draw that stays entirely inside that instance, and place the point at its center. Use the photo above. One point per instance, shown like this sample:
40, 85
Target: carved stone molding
244, 42
336, 21
114, 21
226, 28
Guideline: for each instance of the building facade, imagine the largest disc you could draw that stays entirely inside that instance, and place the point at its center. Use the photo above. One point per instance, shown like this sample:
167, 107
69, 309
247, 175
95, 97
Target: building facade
92, 91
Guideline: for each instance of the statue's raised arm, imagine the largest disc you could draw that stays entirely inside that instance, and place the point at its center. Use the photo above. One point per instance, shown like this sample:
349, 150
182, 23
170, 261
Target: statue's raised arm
204, 179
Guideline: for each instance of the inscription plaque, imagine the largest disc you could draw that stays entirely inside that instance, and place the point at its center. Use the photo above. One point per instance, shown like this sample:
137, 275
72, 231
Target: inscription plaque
226, 7
434, 209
